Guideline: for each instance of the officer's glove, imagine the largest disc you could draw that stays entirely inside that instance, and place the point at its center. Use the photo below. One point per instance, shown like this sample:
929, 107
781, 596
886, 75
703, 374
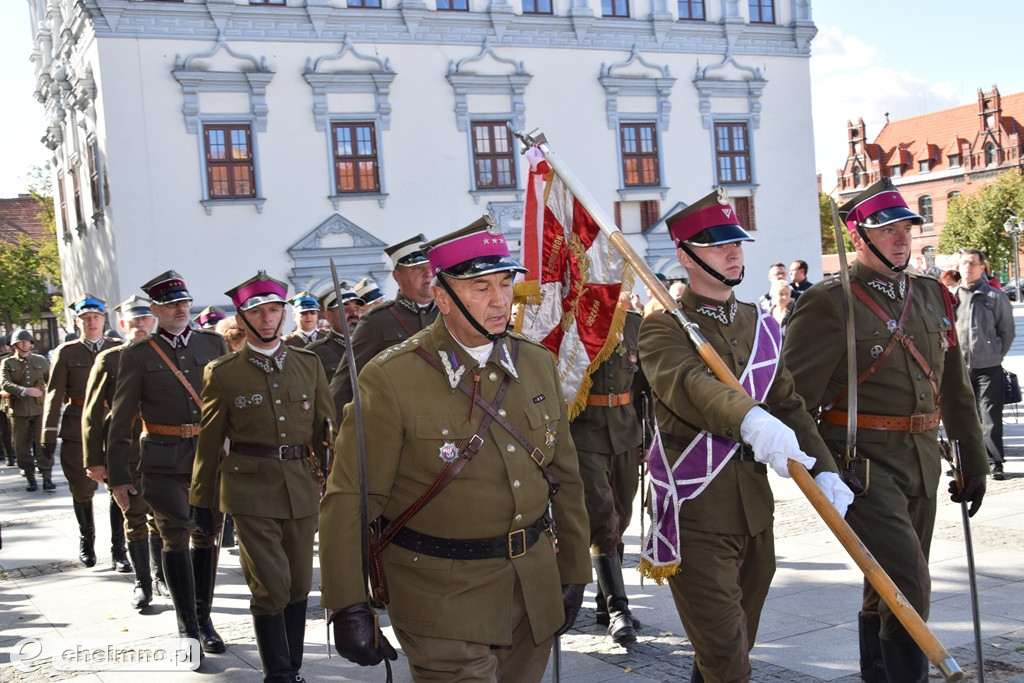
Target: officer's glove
973, 492
203, 519
358, 638
572, 600
838, 493
49, 449
774, 443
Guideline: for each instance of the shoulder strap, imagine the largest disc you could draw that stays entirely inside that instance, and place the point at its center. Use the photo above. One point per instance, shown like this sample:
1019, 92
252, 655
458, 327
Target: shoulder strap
177, 373
405, 326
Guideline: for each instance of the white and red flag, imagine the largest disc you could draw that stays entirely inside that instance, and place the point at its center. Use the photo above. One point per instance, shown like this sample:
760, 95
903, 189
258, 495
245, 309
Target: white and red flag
569, 299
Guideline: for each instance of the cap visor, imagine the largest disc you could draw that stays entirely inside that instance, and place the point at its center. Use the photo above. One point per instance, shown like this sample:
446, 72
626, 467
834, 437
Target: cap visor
891, 215
719, 234
484, 265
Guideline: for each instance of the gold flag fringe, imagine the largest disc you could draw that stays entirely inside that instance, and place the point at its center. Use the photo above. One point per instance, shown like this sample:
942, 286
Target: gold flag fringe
658, 573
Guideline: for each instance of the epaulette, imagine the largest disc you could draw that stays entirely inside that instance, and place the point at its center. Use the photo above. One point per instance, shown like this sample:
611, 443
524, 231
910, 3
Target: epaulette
222, 359
832, 283
144, 340
403, 347
200, 330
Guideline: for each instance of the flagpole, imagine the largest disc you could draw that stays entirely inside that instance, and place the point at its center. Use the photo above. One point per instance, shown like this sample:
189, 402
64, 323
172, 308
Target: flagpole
887, 590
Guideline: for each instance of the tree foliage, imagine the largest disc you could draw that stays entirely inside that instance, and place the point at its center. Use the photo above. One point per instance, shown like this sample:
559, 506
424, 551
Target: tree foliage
977, 221
828, 233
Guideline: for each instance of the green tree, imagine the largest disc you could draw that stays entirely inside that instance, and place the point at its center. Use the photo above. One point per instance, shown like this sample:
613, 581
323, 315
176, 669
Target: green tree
828, 233
976, 221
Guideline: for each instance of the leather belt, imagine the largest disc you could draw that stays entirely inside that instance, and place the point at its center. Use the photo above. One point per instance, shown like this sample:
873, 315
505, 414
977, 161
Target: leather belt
511, 545
76, 401
184, 431
681, 443
609, 400
914, 424
275, 452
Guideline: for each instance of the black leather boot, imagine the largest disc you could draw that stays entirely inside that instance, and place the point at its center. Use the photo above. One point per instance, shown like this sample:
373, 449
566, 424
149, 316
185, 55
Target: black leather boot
86, 533
871, 669
695, 674
30, 477
156, 545
48, 484
178, 571
204, 567
272, 643
118, 556
609, 578
295, 629
904, 662
143, 594
601, 610
227, 539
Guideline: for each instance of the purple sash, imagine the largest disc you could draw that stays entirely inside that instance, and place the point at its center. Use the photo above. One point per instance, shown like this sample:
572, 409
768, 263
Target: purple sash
673, 483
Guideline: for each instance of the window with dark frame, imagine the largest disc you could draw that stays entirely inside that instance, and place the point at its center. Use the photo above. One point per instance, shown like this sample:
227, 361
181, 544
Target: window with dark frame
493, 155
744, 207
924, 207
537, 7
762, 11
615, 8
63, 202
732, 153
453, 5
691, 10
94, 177
76, 188
639, 154
356, 168
230, 171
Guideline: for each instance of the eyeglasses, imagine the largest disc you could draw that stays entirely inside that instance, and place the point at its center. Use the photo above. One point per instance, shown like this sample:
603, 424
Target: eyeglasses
972, 264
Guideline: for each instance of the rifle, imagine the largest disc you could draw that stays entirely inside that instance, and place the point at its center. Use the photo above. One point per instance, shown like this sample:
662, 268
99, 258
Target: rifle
884, 585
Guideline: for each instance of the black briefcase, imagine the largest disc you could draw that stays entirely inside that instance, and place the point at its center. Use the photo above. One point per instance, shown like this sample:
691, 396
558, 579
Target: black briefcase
1011, 389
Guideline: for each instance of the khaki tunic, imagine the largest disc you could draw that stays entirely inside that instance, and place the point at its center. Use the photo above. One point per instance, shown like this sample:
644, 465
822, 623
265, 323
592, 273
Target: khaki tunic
905, 468
500, 490
378, 329
295, 338
330, 350
15, 383
726, 537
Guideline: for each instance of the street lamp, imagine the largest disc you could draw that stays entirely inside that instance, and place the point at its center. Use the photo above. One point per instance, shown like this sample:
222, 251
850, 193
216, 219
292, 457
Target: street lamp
1014, 229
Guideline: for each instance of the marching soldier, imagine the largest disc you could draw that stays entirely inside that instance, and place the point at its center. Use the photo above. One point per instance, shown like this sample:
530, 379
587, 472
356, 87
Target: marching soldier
65, 393
394, 321
331, 349
209, 317
136, 322
477, 590
271, 401
906, 360
159, 379
720, 504
306, 313
608, 439
23, 376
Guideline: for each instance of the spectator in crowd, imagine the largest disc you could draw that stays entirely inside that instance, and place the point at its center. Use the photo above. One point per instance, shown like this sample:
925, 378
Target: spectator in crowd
776, 271
798, 278
782, 303
950, 278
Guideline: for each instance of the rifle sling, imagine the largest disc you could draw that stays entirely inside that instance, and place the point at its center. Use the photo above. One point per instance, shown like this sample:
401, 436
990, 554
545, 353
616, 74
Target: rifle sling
177, 373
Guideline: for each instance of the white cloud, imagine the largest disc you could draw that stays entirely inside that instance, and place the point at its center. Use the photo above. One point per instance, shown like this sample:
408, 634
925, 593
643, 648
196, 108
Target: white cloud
833, 51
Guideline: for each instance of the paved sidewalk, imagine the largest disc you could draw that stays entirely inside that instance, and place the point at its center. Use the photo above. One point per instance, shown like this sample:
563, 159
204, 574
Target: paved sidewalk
808, 630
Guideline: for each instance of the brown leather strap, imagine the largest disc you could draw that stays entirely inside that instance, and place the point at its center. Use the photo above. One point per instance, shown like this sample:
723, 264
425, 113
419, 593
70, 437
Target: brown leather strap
177, 373
915, 424
274, 452
76, 401
609, 400
394, 313
183, 431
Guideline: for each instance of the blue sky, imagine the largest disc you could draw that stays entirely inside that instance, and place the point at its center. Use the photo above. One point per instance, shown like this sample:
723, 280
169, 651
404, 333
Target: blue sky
905, 57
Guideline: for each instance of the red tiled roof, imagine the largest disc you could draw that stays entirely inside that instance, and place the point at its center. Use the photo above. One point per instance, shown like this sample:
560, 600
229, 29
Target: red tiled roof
20, 216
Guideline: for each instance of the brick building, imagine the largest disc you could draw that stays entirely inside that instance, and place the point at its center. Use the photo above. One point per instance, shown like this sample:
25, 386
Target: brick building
21, 216
934, 157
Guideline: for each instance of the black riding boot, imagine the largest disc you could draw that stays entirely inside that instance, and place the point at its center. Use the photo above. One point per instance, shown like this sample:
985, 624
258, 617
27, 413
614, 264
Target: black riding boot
695, 674
295, 628
272, 643
156, 545
601, 610
30, 478
904, 661
609, 578
178, 571
118, 556
871, 669
143, 594
204, 567
86, 533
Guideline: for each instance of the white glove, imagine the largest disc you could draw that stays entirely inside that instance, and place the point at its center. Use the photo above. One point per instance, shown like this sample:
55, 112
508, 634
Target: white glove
838, 493
773, 442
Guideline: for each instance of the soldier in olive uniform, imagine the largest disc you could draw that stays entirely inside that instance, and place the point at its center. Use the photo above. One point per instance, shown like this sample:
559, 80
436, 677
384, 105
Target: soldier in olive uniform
726, 552
136, 322
904, 329
208, 318
159, 379
608, 439
65, 394
306, 312
477, 590
393, 321
271, 401
23, 376
331, 349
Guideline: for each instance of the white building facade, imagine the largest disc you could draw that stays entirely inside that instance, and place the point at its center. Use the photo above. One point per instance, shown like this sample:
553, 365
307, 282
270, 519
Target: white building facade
218, 137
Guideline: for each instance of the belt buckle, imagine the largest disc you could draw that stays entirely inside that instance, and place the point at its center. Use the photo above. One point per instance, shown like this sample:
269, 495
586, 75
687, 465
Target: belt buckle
520, 533
186, 431
281, 451
537, 457
917, 423
611, 397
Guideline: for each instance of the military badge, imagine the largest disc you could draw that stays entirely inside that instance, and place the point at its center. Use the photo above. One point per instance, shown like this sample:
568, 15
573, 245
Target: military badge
549, 437
240, 402
944, 343
449, 451
256, 399
305, 406
876, 351
538, 398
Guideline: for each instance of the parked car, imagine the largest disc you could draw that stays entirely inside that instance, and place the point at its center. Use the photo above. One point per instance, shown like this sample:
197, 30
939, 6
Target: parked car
1013, 288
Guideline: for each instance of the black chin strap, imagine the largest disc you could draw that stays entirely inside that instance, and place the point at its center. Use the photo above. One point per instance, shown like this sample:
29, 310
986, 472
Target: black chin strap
265, 340
731, 282
443, 281
874, 250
